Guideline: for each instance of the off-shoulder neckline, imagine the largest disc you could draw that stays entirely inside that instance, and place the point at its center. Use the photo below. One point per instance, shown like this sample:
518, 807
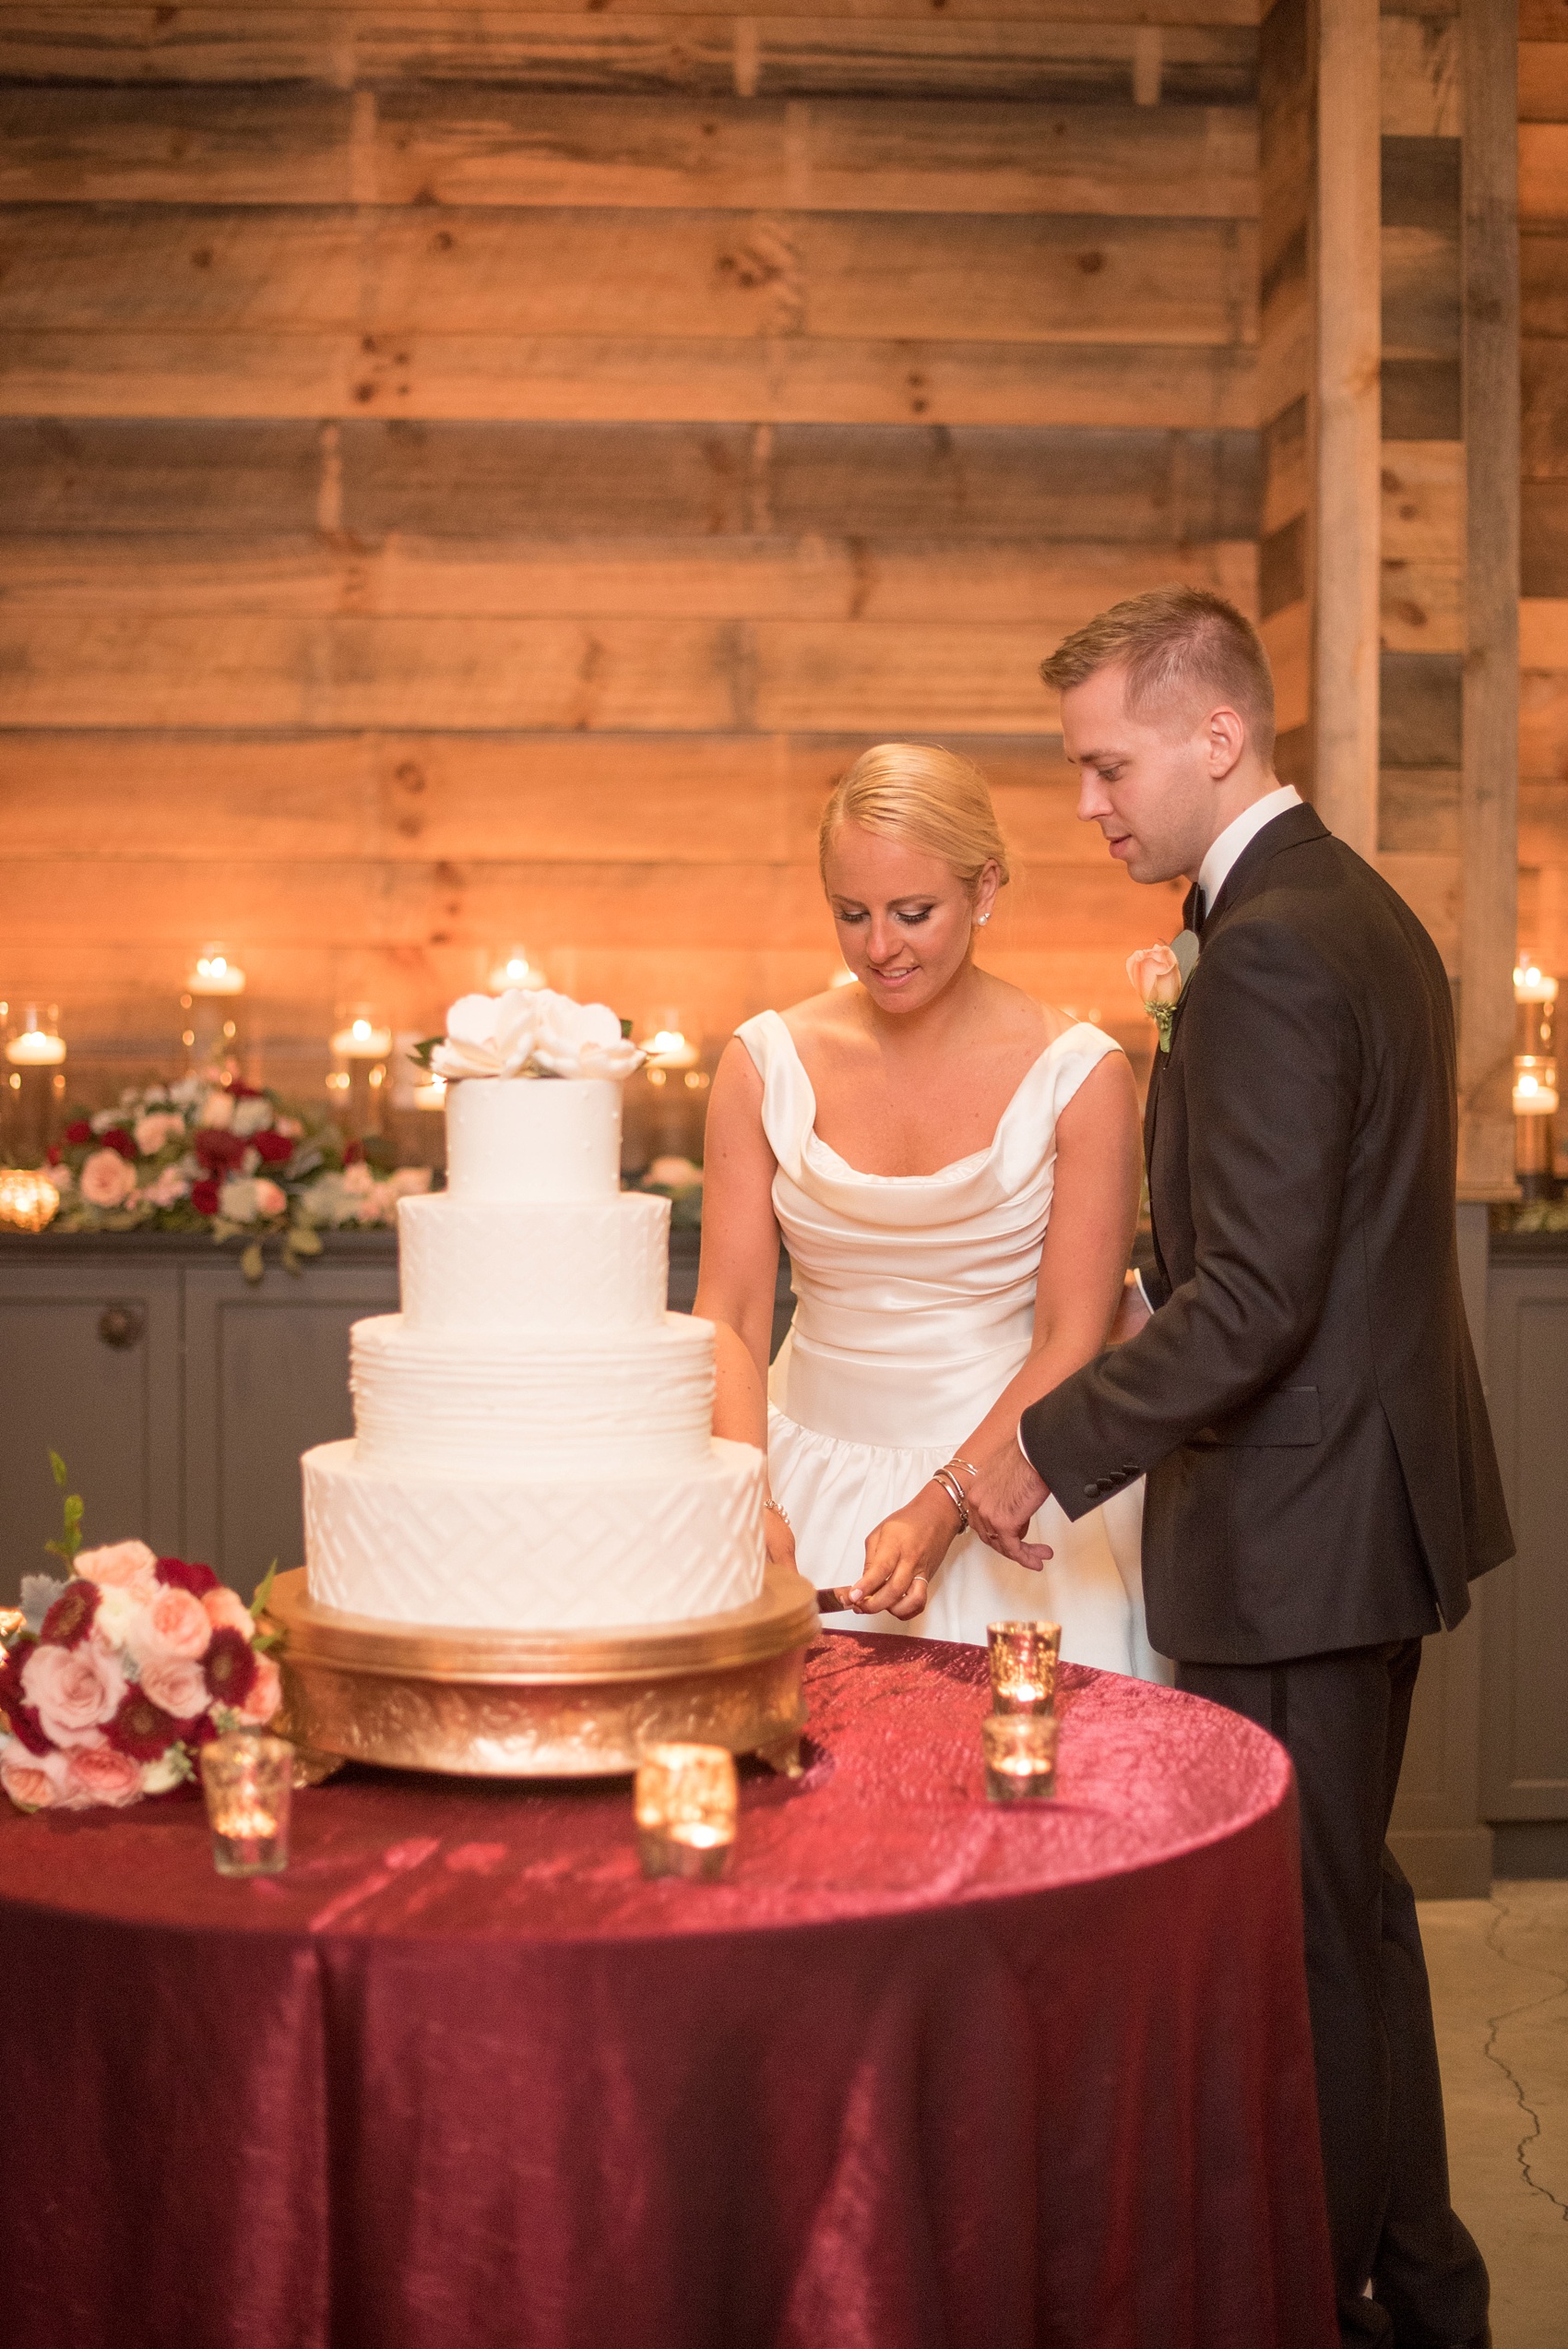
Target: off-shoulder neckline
954, 1166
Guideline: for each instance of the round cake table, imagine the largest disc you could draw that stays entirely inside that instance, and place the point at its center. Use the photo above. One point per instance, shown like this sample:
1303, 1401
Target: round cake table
925, 2073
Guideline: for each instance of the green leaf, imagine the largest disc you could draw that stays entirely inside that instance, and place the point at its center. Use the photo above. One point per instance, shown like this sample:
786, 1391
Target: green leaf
264, 1592
58, 1466
626, 1030
306, 1240
420, 1053
252, 1263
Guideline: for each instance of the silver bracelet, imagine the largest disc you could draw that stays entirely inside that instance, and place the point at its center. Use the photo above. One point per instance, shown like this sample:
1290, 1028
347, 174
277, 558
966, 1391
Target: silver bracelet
778, 1510
945, 1482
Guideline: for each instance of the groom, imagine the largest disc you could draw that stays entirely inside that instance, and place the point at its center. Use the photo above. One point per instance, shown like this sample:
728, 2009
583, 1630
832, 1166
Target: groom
1303, 1397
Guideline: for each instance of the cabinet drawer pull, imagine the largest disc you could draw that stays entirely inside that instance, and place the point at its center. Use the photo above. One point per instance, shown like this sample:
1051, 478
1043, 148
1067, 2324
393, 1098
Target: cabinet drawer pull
121, 1326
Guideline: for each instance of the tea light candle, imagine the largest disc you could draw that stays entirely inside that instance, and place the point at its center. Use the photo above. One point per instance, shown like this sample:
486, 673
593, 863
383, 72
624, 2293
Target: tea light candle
1531, 984
1535, 1087
1020, 1755
214, 974
687, 1800
430, 1093
1023, 1665
28, 1200
668, 1048
248, 1780
515, 970
35, 1048
361, 1038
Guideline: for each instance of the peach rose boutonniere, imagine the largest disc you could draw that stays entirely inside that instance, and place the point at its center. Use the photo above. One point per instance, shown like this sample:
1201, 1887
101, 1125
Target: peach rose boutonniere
1160, 974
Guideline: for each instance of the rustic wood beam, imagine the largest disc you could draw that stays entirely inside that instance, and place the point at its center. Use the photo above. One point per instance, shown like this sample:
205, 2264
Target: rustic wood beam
1348, 353
1490, 768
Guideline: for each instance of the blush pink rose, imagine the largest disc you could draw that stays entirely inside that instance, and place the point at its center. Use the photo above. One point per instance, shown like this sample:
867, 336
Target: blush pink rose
118, 1566
38, 1784
270, 1199
107, 1179
265, 1692
176, 1682
1156, 975
226, 1611
101, 1775
174, 1623
72, 1690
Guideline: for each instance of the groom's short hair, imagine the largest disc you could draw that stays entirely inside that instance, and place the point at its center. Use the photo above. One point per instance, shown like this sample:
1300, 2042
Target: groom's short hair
1177, 644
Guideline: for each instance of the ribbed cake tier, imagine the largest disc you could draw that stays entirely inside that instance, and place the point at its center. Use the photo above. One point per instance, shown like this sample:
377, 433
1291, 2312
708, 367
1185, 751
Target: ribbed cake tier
534, 1553
509, 1405
579, 1264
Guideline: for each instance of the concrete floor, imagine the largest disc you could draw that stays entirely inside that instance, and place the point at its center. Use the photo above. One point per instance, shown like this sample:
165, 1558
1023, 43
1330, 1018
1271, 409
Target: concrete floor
1498, 1972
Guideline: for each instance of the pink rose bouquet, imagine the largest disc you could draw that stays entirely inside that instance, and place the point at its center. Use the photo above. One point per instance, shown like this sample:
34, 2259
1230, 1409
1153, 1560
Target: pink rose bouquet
113, 1679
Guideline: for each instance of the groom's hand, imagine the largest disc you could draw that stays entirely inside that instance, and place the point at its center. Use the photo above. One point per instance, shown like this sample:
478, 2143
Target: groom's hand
1003, 1498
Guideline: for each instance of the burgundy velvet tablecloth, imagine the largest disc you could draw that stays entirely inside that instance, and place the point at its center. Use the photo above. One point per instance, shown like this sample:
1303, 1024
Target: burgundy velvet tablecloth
925, 2074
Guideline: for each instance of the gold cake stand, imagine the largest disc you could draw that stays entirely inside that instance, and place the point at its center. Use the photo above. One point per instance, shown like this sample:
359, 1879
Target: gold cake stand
543, 1704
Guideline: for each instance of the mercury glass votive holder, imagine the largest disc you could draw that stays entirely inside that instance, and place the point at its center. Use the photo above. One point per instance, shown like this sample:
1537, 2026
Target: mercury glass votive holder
1020, 1755
248, 1780
686, 1801
1023, 1665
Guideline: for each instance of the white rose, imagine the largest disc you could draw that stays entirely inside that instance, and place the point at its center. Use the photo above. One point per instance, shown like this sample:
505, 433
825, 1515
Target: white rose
580, 1038
358, 1181
216, 1109
488, 1035
408, 1182
117, 1610
253, 1116
101, 1119
237, 1199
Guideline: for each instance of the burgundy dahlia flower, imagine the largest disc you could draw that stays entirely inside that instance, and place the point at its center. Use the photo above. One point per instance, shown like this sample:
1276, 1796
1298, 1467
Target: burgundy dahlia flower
69, 1620
140, 1728
178, 1575
230, 1667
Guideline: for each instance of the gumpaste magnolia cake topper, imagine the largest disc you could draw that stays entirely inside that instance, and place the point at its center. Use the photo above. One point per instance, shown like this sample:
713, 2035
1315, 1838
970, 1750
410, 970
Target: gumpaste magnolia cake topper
531, 1031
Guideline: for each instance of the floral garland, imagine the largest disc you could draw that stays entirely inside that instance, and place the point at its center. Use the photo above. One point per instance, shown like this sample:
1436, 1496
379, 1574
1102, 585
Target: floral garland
225, 1159
112, 1681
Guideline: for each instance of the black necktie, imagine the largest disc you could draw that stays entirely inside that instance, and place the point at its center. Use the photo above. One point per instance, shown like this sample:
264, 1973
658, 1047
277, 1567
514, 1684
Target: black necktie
1193, 910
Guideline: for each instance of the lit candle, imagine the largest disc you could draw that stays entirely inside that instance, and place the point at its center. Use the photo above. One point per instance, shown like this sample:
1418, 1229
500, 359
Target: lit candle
248, 1781
363, 1039
431, 1094
28, 1200
668, 1048
1532, 985
515, 970
1535, 1088
34, 1048
1023, 1665
214, 974
687, 1800
1020, 1755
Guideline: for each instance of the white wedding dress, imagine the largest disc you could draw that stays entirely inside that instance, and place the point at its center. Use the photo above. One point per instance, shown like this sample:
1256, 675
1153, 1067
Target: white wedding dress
915, 1297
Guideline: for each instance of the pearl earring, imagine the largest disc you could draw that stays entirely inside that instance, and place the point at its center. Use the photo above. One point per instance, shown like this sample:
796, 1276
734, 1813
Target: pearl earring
981, 921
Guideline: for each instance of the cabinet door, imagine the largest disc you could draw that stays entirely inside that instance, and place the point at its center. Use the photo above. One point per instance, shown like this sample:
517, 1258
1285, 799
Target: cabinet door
1524, 1605
266, 1376
89, 1365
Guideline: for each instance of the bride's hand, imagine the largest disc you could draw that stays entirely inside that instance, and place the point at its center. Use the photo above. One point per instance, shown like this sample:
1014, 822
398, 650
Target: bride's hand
902, 1556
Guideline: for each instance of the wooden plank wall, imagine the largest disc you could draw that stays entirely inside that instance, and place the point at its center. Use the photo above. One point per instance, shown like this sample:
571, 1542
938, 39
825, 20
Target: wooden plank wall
1543, 610
1423, 466
470, 475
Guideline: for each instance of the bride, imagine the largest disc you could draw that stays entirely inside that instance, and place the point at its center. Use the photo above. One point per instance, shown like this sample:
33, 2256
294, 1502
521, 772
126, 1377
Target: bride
954, 1169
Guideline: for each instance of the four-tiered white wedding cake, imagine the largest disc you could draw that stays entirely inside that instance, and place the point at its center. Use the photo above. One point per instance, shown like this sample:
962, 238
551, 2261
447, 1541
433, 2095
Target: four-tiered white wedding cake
534, 1447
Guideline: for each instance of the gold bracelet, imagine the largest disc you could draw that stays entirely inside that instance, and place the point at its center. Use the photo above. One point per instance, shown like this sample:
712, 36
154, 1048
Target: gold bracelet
945, 1482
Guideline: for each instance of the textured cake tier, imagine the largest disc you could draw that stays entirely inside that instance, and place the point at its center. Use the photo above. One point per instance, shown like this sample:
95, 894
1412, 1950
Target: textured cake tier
533, 1138
481, 1265
534, 1553
434, 1399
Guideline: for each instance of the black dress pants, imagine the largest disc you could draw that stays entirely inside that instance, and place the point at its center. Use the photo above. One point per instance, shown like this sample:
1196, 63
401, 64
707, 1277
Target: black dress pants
1342, 1719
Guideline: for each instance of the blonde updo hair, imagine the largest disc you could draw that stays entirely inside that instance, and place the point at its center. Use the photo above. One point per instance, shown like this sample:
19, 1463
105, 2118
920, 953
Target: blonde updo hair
932, 798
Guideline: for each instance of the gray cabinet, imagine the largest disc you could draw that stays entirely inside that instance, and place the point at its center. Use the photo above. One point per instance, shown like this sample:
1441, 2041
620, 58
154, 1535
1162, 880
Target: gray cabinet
89, 1366
266, 1376
1524, 1641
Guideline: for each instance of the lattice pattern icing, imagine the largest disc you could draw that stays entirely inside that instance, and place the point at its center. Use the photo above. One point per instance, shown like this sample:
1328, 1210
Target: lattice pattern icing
432, 1400
534, 1554
560, 1266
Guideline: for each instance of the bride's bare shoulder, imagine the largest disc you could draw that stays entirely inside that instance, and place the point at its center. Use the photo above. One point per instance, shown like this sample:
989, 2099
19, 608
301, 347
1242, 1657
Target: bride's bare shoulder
833, 1016
1027, 1018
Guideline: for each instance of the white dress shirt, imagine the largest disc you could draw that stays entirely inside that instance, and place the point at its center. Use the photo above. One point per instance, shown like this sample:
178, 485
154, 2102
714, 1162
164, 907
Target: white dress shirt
1215, 870
1213, 874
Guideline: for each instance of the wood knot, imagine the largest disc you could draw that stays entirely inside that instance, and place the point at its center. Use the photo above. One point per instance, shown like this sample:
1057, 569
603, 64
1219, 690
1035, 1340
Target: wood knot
1091, 264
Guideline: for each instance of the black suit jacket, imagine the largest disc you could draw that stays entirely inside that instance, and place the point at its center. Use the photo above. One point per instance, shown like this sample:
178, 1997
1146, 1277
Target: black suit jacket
1304, 1400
